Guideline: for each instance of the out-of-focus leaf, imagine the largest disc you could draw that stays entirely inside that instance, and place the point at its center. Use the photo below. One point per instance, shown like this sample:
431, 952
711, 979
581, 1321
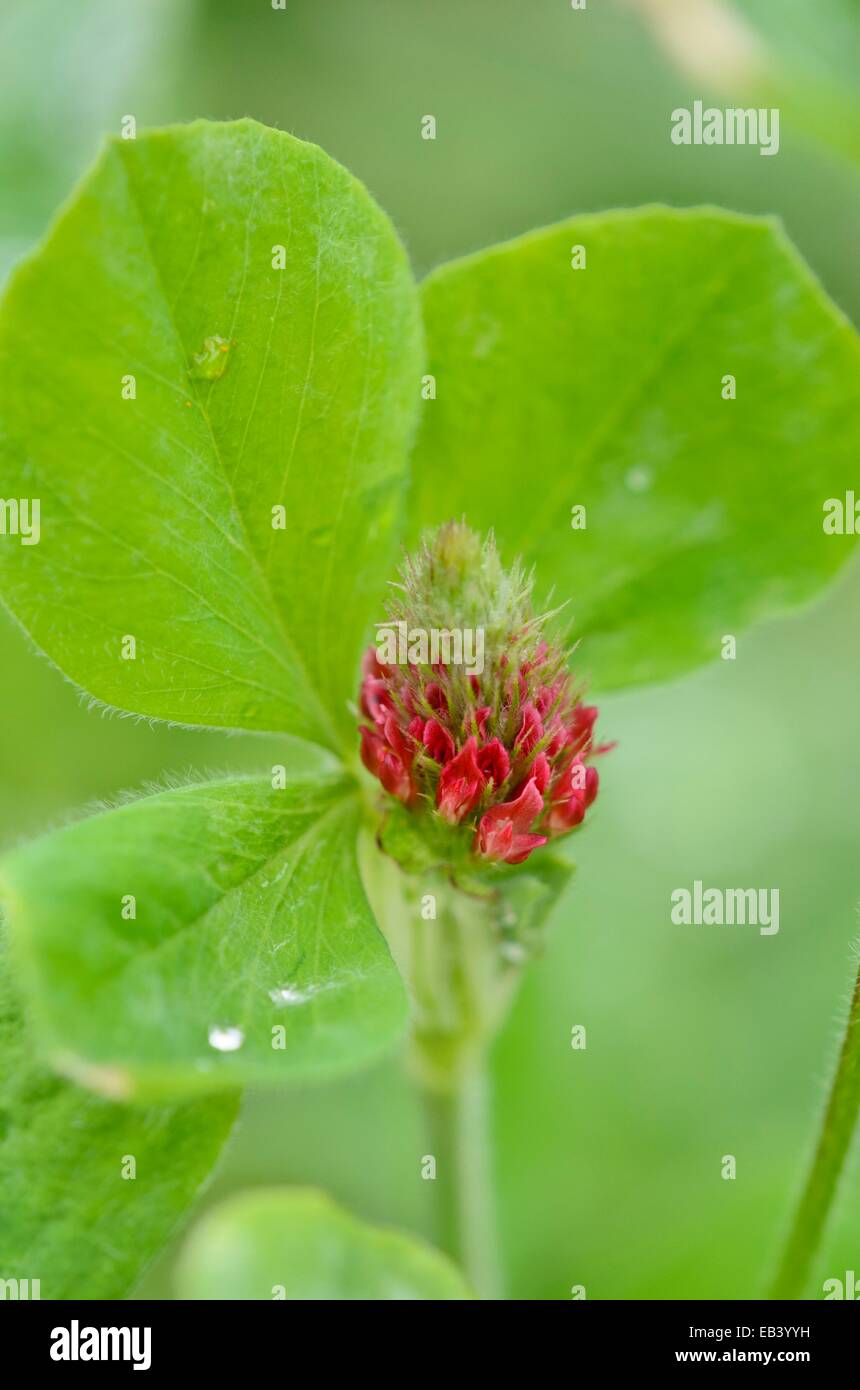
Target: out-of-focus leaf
300, 1245
89, 1190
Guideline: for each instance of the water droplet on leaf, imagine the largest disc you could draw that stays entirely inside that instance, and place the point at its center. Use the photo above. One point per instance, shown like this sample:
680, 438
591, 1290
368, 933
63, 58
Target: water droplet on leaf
226, 1039
513, 952
287, 995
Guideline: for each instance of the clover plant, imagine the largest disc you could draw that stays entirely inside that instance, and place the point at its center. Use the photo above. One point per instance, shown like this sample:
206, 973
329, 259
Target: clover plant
258, 451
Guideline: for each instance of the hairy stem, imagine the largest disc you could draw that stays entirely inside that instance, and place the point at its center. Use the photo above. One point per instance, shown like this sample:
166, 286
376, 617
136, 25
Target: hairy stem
840, 1119
461, 952
465, 1195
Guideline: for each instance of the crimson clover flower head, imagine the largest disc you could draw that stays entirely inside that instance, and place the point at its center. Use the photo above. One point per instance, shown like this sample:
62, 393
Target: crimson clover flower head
472, 719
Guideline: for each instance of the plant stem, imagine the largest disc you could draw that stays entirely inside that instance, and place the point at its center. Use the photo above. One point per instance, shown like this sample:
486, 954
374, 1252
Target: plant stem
466, 1216
840, 1120
461, 983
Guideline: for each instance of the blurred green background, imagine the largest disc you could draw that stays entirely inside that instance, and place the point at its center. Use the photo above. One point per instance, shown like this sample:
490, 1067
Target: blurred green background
701, 1042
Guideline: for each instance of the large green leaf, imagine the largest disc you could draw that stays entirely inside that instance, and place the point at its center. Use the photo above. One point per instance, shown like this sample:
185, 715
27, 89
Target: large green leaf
71, 1213
253, 956
300, 1245
156, 512
603, 387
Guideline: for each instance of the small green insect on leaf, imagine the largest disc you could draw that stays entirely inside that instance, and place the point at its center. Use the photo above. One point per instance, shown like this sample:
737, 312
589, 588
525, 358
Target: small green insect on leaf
211, 363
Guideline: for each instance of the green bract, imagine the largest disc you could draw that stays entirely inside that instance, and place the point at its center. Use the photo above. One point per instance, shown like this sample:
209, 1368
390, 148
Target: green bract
211, 373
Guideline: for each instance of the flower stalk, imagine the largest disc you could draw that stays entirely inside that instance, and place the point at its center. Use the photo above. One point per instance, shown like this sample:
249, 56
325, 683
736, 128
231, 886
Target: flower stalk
462, 965
837, 1130
466, 1218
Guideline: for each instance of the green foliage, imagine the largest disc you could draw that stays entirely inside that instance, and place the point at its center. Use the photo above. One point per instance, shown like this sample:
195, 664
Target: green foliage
248, 349
301, 1245
602, 387
67, 1215
827, 1172
249, 916
806, 63
157, 510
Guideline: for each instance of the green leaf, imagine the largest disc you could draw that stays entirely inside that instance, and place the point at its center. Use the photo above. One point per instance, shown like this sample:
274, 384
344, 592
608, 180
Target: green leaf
68, 1216
252, 958
301, 1245
602, 387
256, 388
529, 895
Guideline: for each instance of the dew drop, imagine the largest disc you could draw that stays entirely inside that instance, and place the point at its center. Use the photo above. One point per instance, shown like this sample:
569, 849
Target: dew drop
287, 995
513, 952
226, 1039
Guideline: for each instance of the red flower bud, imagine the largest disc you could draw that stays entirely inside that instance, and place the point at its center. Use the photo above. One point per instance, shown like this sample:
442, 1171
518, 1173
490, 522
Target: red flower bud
435, 697
540, 771
571, 795
494, 761
438, 742
503, 830
387, 757
481, 716
531, 731
375, 700
439, 736
461, 783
